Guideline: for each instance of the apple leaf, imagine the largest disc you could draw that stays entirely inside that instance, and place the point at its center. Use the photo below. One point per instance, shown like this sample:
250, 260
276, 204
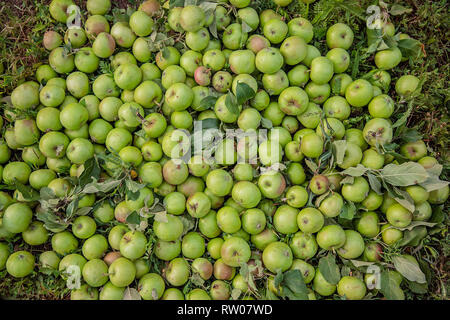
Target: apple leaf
358, 263
245, 272
375, 184
409, 269
246, 28
134, 218
213, 28
336, 85
72, 207
208, 5
190, 3
329, 269
165, 53
410, 48
405, 174
390, 288
404, 199
27, 192
348, 180
357, 171
348, 211
132, 189
188, 223
410, 135
243, 92
210, 123
196, 279
321, 198
235, 293
270, 295
91, 170
436, 169
46, 194
231, 103
433, 182
208, 103
397, 10
104, 187
414, 235
266, 123
52, 222
414, 224
419, 288
293, 285
340, 146
83, 211
131, 294
311, 165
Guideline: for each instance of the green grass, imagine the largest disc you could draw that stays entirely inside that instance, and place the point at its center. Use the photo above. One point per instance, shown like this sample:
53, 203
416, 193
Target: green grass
21, 52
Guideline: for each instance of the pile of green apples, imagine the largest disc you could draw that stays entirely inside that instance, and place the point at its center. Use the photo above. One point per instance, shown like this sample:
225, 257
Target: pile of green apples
95, 189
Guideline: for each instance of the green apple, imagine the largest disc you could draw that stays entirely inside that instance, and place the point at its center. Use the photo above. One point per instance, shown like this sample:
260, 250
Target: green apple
339, 35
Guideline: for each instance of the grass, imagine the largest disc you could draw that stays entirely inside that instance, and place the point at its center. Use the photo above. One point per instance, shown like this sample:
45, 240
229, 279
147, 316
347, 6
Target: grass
21, 52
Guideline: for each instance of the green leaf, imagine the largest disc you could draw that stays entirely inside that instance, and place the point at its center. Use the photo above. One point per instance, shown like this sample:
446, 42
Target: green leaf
46, 194
231, 103
410, 48
52, 222
348, 211
433, 182
208, 102
132, 189
375, 184
358, 263
243, 92
329, 269
235, 293
165, 53
266, 123
414, 224
348, 180
340, 146
188, 223
397, 10
72, 207
311, 165
293, 285
336, 85
83, 211
134, 218
246, 273
405, 174
208, 5
197, 280
278, 279
210, 123
413, 237
91, 170
357, 171
213, 28
389, 287
419, 288
104, 187
176, 3
131, 294
438, 215
27, 192
410, 135
404, 199
408, 269
246, 28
